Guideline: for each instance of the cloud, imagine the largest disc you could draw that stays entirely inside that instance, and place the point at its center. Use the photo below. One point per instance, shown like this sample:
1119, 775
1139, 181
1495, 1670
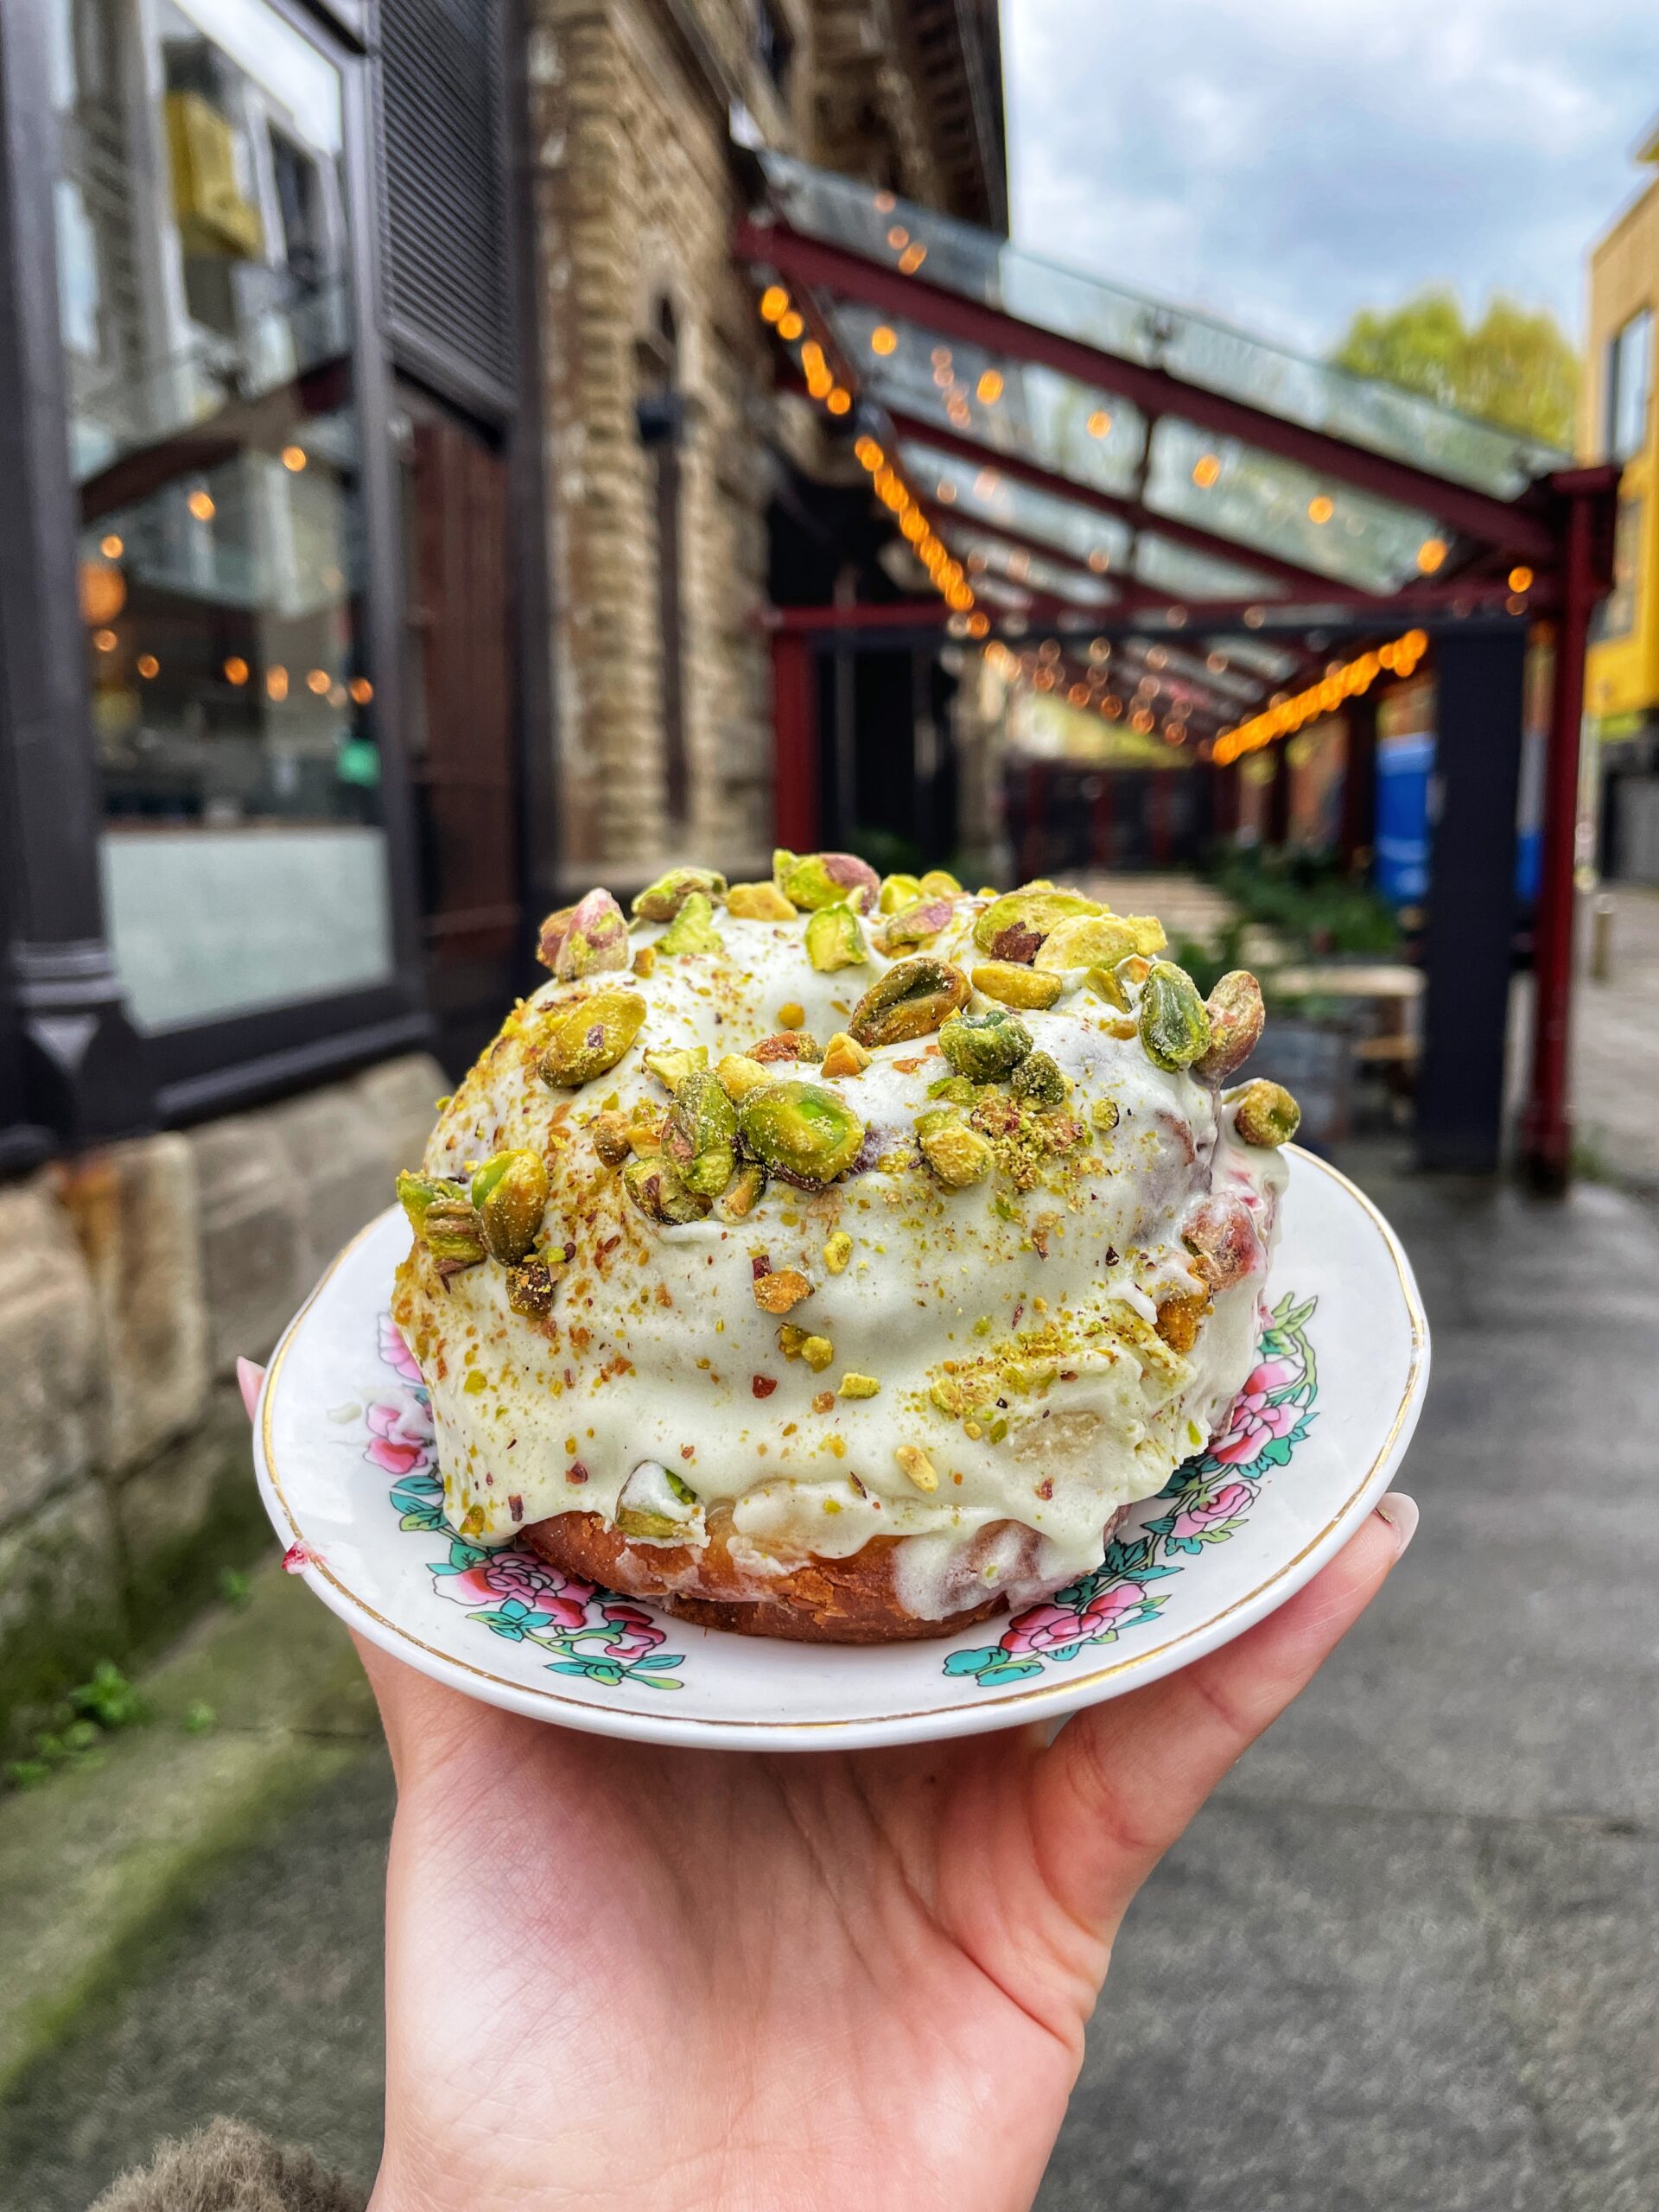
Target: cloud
1283, 162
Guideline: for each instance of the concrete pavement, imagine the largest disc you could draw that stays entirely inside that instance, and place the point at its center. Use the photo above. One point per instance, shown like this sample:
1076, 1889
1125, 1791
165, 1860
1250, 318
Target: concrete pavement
1404, 1962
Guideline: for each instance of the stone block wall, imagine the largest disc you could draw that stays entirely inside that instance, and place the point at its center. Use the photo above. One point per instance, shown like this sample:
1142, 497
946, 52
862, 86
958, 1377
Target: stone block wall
130, 1279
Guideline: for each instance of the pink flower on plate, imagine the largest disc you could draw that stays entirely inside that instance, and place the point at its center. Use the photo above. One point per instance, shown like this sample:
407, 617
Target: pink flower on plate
1256, 1424
1051, 1628
396, 1353
636, 1633
400, 1429
1108, 1606
504, 1575
1203, 1513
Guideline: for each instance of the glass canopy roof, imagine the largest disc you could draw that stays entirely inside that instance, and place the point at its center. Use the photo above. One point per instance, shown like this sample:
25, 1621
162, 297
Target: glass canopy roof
1083, 447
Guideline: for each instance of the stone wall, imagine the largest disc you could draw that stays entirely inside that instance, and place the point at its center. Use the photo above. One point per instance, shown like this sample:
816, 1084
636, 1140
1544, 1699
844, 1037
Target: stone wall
129, 1281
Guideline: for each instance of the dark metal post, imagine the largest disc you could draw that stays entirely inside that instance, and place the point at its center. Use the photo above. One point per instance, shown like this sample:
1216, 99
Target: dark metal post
795, 734
1469, 939
83, 1071
1359, 782
1276, 822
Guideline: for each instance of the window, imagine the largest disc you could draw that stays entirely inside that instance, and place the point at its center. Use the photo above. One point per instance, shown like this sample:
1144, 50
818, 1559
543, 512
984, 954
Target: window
206, 300
1630, 379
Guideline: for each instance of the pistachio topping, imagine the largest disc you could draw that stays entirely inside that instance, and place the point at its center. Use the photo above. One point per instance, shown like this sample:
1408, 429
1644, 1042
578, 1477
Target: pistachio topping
744, 1192
609, 1134
509, 1195
939, 883
1038, 1080
530, 1286
787, 1045
1174, 1026
858, 1386
700, 1135
984, 1048
1014, 926
780, 1290
759, 902
959, 1156
655, 1507
914, 1464
738, 1075
588, 1037
815, 880
1236, 1015
837, 1251
844, 1056
800, 1130
596, 941
917, 923
670, 1069
1100, 940
552, 934
692, 929
662, 901
1012, 984
899, 891
912, 1000
834, 940
1264, 1113
655, 1187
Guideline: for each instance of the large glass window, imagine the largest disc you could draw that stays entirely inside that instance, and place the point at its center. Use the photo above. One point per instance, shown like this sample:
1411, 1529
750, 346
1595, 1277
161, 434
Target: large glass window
1630, 379
206, 285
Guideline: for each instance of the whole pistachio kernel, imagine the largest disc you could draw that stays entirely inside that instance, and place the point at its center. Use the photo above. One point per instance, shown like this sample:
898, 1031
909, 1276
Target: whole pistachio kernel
1100, 940
759, 902
692, 929
959, 1156
1264, 1113
1038, 1080
509, 1197
1236, 1015
597, 940
917, 923
912, 1000
700, 1135
1011, 983
417, 1193
588, 1039
1014, 926
815, 880
834, 940
1174, 1026
800, 1130
899, 891
657, 1190
939, 883
985, 1047
662, 901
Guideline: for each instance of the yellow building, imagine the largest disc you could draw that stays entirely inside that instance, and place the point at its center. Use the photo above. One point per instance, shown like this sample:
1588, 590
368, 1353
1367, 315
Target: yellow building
1618, 421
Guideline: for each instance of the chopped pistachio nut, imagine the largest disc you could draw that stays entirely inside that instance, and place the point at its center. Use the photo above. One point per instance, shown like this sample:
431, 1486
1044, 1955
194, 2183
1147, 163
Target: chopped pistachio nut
823, 1401
1100, 940
670, 1069
834, 940
509, 1194
1011, 984
915, 1463
759, 902
844, 1056
1236, 1015
744, 1192
645, 960
837, 1251
946, 1394
553, 932
859, 1386
737, 1075
657, 1190
984, 1048
959, 1156
917, 923
939, 883
416, 1193
662, 901
818, 1352
912, 1000
453, 1233
781, 1291
800, 1129
530, 1288
644, 1133
595, 941
1014, 926
700, 1135
791, 1340
815, 880
1038, 1080
1174, 1026
609, 1133
588, 1038
954, 1090
899, 891
1104, 1115
1264, 1113
692, 929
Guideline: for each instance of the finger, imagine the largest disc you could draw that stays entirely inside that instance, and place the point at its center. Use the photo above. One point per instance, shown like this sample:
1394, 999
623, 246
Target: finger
1119, 1785
250, 1380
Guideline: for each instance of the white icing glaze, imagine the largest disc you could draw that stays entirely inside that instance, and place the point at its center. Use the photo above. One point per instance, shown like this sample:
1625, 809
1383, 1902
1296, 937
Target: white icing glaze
655, 1343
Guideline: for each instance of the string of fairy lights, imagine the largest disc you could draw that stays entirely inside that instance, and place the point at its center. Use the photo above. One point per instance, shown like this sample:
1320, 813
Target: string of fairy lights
1044, 667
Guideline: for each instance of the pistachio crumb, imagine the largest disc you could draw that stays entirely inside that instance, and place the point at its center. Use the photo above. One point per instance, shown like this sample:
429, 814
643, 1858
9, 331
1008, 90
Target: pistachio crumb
859, 1386
918, 1466
791, 1015
837, 1251
823, 1401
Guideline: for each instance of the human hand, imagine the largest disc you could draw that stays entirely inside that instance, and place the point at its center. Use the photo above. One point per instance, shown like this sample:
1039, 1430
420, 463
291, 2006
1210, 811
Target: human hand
619, 1975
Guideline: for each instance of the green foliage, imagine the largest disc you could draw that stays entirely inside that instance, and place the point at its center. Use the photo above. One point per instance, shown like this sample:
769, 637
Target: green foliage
199, 1719
1309, 902
1515, 368
90, 1712
234, 1587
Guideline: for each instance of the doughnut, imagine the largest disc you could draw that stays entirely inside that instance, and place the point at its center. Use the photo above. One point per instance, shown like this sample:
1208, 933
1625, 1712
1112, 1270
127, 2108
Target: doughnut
838, 1258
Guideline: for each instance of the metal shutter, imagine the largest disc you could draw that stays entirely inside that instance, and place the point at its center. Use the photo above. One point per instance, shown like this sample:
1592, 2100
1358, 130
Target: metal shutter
448, 284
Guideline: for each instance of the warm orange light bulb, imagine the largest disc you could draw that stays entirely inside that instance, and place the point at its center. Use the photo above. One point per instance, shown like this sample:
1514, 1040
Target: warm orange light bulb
774, 303
989, 387
317, 681
1520, 579
883, 340
294, 459
839, 401
1205, 469
201, 505
362, 690
790, 326
277, 682
147, 665
1431, 555
1320, 509
112, 548
1098, 424
236, 669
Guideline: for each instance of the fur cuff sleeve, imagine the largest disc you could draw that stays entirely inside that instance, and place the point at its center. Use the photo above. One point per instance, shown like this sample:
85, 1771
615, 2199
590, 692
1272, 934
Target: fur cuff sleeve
230, 2168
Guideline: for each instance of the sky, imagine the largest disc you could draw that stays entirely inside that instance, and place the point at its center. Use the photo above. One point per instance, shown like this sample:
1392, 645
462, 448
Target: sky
1281, 163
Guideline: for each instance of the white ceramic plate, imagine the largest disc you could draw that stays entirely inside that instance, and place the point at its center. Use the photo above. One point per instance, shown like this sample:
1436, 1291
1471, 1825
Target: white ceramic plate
349, 1471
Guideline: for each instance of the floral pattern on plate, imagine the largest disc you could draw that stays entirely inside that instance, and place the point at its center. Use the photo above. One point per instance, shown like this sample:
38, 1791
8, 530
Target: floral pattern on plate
610, 1639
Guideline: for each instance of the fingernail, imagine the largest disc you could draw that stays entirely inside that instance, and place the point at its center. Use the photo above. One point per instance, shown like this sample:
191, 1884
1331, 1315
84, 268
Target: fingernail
249, 1377
1401, 1514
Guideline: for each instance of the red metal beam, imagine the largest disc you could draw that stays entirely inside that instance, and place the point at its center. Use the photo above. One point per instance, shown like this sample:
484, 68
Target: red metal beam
1516, 528
795, 726
1189, 534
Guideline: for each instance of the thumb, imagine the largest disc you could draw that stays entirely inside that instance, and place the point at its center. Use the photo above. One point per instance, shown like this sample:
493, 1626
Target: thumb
1119, 1783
